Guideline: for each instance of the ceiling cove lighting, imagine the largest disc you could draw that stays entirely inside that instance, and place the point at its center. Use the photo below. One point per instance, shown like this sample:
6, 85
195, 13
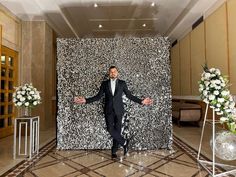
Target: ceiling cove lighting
153, 4
95, 5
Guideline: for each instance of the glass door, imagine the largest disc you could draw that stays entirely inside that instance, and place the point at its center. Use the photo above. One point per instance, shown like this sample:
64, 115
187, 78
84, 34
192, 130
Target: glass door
8, 77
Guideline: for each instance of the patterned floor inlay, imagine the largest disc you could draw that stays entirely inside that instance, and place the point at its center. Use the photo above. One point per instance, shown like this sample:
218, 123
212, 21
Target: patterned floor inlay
179, 162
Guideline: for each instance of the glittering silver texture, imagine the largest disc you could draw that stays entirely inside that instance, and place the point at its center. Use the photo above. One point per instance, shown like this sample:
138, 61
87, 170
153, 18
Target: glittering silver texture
142, 62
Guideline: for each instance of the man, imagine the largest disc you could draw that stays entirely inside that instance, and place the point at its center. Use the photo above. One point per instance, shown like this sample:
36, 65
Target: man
114, 107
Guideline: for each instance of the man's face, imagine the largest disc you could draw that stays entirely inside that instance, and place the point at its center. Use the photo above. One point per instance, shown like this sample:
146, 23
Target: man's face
113, 73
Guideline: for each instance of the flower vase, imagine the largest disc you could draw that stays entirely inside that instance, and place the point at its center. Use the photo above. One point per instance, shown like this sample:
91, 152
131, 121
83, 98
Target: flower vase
27, 111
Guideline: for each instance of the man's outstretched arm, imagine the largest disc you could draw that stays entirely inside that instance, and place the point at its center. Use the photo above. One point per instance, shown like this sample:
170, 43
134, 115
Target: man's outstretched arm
97, 97
145, 101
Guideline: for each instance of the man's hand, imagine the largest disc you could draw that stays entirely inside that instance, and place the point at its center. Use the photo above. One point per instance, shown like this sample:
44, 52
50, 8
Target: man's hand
79, 100
147, 101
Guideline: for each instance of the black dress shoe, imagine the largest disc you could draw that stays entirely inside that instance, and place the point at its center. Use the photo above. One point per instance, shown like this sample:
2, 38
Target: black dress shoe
113, 156
126, 147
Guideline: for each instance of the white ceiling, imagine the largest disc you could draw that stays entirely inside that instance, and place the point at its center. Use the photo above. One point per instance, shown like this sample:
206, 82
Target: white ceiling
79, 18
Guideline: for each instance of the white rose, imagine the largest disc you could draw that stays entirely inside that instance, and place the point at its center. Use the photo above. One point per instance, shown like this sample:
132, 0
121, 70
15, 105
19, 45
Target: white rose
207, 75
29, 97
27, 104
224, 93
22, 92
19, 96
223, 84
200, 89
217, 72
217, 81
28, 89
212, 82
206, 83
19, 104
218, 105
212, 70
219, 113
31, 92
205, 92
213, 85
212, 97
35, 103
22, 99
213, 75
24, 88
223, 119
216, 92
14, 100
220, 100
217, 109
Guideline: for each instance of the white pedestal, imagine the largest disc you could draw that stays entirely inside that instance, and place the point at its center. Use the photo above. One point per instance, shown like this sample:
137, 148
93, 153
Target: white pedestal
33, 136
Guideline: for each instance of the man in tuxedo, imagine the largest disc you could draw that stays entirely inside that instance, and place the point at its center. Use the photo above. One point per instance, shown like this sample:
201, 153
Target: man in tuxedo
114, 107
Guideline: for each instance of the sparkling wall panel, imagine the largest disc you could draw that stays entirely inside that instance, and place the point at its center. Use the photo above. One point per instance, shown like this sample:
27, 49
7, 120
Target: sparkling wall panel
145, 66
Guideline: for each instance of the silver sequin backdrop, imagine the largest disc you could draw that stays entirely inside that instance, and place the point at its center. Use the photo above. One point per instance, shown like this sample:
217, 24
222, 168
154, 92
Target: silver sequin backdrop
145, 66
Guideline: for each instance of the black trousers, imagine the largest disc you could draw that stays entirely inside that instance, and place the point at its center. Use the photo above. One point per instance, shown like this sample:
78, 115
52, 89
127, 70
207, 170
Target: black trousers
114, 124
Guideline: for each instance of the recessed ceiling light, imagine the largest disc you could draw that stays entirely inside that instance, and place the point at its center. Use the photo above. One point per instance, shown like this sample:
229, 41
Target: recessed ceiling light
153, 4
100, 26
95, 5
144, 25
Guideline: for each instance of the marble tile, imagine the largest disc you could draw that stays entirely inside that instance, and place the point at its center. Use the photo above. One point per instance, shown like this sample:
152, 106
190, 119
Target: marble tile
74, 165
68, 153
46, 159
157, 164
115, 168
56, 170
77, 173
93, 174
148, 175
83, 175
142, 159
28, 175
173, 169
90, 159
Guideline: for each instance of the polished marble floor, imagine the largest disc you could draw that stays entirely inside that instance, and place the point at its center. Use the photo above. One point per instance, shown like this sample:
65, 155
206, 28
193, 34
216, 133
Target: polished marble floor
178, 162
98, 163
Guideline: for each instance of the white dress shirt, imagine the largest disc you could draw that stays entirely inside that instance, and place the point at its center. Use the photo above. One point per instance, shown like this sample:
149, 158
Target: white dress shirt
113, 86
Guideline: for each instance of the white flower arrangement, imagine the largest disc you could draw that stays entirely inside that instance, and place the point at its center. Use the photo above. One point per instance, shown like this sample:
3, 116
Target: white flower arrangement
214, 91
26, 96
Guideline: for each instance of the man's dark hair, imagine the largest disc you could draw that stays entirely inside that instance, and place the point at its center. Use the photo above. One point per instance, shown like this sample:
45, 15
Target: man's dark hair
111, 67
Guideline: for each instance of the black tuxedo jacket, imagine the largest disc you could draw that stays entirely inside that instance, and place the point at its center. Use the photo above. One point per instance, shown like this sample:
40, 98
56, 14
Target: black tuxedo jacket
114, 103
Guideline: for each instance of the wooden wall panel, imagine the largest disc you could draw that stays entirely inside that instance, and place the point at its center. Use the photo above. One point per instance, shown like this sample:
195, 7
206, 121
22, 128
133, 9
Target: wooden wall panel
175, 70
197, 56
185, 63
216, 40
231, 6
